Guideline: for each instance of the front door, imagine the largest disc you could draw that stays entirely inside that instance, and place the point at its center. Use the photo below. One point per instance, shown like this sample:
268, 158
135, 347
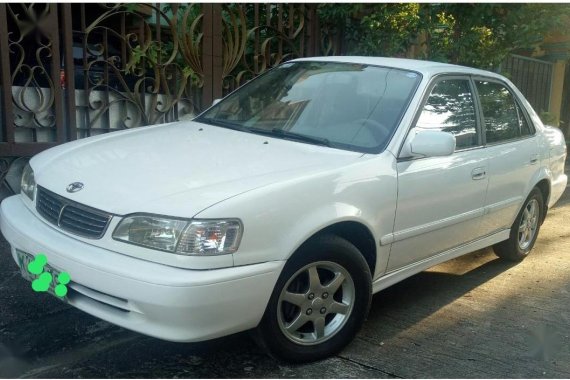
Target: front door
441, 199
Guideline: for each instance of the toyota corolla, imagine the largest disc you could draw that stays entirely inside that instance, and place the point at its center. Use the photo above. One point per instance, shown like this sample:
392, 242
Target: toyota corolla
283, 208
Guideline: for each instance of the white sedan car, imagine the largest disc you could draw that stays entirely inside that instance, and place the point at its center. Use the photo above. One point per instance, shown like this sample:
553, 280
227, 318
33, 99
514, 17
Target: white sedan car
285, 206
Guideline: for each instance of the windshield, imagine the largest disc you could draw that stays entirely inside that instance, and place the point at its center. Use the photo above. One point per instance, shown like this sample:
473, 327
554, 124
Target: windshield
342, 105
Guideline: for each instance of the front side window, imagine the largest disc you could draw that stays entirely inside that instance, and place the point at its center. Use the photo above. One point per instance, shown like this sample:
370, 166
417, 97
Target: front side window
343, 105
503, 117
450, 108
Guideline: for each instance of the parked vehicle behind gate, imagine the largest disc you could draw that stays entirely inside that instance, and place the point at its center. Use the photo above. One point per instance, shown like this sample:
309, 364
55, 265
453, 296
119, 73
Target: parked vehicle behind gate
285, 206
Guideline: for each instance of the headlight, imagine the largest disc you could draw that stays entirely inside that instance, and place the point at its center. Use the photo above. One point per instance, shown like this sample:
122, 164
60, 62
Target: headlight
28, 184
182, 237
210, 237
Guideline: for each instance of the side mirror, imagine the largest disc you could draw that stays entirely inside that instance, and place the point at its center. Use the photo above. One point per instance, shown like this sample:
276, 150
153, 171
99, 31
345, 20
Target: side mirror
428, 143
216, 101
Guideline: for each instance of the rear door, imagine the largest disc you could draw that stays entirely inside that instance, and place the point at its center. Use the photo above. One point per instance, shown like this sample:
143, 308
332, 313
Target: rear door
440, 199
512, 148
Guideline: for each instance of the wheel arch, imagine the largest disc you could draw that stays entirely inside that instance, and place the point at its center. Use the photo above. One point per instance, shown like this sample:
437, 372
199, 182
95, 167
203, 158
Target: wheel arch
541, 180
357, 234
544, 186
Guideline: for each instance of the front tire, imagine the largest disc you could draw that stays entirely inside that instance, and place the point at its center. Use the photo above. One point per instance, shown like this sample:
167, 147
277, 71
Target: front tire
319, 302
524, 230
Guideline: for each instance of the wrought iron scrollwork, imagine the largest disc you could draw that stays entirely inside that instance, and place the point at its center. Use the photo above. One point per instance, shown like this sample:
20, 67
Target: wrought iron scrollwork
258, 37
151, 82
139, 64
33, 89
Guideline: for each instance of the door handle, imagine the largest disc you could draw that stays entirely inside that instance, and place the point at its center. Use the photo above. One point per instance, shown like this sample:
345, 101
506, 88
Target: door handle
478, 173
533, 159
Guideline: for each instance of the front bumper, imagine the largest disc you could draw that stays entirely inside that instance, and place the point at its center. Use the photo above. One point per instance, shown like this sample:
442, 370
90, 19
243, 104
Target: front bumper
165, 302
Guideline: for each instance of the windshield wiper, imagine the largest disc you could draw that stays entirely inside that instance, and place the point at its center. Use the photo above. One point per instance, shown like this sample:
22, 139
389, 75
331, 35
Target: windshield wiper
292, 136
224, 124
273, 132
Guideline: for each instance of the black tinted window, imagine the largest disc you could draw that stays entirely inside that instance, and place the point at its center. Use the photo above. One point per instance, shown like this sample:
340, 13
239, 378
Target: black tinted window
450, 108
500, 112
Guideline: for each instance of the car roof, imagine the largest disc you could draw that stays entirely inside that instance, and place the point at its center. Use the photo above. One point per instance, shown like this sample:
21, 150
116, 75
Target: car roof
426, 68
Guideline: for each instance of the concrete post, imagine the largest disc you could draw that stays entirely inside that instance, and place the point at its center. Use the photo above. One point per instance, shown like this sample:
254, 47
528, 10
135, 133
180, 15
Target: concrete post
556, 90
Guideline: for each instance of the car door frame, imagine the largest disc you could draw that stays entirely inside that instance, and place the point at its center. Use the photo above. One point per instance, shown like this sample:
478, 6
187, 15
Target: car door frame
434, 81
533, 135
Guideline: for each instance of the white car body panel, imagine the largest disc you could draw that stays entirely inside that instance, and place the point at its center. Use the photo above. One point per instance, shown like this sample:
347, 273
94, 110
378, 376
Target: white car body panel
510, 169
552, 141
444, 213
419, 212
349, 192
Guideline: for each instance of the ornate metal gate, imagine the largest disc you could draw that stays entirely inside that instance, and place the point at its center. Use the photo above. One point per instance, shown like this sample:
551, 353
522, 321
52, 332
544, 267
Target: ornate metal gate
69, 71
32, 103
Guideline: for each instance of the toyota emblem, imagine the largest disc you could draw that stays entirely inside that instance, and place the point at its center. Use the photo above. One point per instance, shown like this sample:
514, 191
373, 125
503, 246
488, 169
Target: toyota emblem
74, 187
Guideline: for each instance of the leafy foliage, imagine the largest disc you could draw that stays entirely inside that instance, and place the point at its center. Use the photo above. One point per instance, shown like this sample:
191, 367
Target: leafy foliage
479, 35
155, 54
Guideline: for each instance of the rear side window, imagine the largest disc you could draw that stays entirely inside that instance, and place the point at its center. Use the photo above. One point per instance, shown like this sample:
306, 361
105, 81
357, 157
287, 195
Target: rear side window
450, 108
504, 119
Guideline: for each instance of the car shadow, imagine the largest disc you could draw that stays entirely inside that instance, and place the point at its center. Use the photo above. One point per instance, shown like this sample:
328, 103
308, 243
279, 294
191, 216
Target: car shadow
562, 201
427, 292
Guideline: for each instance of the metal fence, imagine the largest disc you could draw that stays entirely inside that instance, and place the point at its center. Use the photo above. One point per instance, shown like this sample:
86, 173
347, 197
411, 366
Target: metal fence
69, 71
533, 77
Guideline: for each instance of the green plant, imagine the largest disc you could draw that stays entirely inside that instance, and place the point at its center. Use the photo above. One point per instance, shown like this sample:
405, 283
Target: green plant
478, 34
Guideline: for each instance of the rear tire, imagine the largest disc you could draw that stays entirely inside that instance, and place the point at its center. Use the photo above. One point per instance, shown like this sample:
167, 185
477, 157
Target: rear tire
319, 302
524, 230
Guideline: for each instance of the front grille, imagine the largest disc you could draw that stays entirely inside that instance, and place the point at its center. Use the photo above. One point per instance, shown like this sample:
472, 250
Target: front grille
49, 206
71, 216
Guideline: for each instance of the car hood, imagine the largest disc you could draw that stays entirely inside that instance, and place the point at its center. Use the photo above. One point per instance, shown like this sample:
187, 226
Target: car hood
176, 169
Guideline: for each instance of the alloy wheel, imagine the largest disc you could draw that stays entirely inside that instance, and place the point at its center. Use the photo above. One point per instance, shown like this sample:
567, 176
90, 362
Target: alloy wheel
316, 303
528, 224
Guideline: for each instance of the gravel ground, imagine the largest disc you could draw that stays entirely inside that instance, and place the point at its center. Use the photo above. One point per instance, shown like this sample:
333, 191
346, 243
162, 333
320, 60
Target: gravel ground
471, 317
